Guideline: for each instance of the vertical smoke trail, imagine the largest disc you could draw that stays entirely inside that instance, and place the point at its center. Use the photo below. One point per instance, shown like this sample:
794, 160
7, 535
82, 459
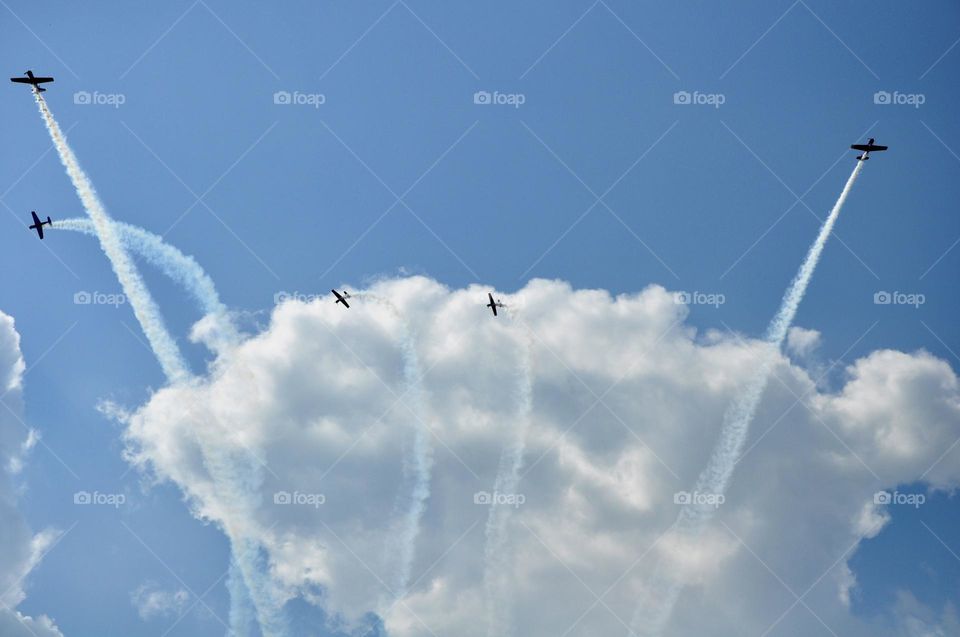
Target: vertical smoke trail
654, 611
176, 265
495, 577
242, 618
420, 462
238, 477
144, 308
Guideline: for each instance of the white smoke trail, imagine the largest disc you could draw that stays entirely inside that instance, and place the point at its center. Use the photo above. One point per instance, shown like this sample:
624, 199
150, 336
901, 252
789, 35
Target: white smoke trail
654, 611
238, 478
144, 307
231, 473
176, 265
242, 618
495, 576
420, 461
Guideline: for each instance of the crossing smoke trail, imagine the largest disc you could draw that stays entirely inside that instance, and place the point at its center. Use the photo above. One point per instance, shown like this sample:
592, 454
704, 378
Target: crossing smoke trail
230, 472
495, 577
176, 265
238, 477
144, 308
420, 462
246, 573
655, 610
245, 568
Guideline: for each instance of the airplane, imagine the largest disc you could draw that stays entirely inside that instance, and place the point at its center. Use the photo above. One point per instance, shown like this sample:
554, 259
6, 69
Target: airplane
341, 298
32, 80
493, 305
38, 225
866, 148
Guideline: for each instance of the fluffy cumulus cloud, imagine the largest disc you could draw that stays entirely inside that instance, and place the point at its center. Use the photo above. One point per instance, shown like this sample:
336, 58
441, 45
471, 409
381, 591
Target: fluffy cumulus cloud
22, 548
303, 442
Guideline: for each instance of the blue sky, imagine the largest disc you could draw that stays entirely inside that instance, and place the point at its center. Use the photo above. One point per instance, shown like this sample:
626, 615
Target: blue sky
291, 197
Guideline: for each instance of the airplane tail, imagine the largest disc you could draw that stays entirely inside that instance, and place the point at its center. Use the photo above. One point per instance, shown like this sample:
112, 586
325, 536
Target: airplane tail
49, 221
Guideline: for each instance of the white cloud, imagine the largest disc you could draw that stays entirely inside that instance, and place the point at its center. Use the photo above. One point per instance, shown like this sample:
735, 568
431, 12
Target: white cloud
22, 549
802, 342
152, 601
314, 406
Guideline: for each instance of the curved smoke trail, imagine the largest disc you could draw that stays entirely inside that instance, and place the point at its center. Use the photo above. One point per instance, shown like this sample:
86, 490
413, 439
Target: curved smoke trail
246, 570
144, 307
420, 462
495, 578
654, 611
173, 263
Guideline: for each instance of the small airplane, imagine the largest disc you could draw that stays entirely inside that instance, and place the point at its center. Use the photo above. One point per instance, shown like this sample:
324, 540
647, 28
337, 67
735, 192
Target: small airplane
493, 305
32, 80
38, 225
867, 148
341, 298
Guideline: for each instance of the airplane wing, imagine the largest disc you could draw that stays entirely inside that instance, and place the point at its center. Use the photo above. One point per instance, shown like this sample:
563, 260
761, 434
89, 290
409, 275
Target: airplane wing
494, 308
868, 147
40, 231
36, 219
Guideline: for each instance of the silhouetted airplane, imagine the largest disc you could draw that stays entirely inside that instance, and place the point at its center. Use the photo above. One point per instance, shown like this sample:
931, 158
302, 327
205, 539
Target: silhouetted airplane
30, 79
341, 298
493, 305
38, 225
867, 148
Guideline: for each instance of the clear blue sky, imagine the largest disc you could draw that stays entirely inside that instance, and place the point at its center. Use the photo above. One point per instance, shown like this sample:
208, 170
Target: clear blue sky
287, 189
